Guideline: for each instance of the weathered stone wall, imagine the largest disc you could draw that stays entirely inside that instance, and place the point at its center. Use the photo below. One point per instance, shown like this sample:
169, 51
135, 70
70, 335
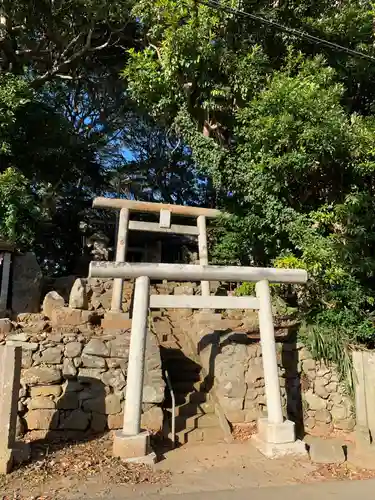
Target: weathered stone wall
74, 380
86, 388
311, 393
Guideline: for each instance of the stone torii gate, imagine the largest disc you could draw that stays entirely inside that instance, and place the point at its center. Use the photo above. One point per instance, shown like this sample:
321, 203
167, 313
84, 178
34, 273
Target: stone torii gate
275, 436
165, 226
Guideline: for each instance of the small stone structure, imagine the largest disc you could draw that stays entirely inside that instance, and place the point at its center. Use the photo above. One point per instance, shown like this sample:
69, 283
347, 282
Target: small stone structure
10, 368
27, 284
6, 251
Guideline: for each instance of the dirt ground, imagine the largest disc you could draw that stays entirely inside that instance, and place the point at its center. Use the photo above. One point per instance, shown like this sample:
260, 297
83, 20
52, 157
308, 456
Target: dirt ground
86, 470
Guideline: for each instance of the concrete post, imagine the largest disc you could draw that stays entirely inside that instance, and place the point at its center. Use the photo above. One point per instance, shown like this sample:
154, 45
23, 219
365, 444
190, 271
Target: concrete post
122, 240
267, 341
135, 375
131, 443
203, 253
275, 437
5, 282
10, 373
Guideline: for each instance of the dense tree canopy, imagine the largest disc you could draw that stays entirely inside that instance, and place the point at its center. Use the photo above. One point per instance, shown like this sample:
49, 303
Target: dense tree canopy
284, 127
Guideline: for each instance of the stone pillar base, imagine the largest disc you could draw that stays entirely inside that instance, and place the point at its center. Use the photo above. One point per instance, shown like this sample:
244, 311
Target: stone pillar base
116, 321
17, 455
277, 440
6, 461
135, 449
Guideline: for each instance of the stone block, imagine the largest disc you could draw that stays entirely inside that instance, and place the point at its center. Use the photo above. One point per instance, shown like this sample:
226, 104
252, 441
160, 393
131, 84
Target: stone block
96, 347
276, 433
25, 346
87, 374
308, 365
154, 393
119, 347
98, 422
116, 321
41, 403
52, 300
326, 451
50, 356
6, 461
27, 359
19, 337
344, 425
6, 326
323, 416
106, 405
114, 363
68, 401
45, 391
69, 370
92, 361
152, 419
27, 284
78, 295
114, 378
115, 421
42, 419
162, 327
41, 375
73, 349
129, 447
320, 388
254, 373
279, 450
10, 368
210, 319
65, 316
315, 402
77, 420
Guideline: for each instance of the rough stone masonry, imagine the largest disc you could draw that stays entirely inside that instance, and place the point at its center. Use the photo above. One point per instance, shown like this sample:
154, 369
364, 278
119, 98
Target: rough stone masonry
74, 372
73, 378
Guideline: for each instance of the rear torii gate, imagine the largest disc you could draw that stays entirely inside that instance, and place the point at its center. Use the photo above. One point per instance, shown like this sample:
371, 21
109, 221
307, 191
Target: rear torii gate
165, 226
275, 436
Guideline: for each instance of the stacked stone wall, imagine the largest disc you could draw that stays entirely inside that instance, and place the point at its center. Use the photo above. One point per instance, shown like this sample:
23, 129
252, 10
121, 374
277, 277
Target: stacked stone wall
74, 379
74, 371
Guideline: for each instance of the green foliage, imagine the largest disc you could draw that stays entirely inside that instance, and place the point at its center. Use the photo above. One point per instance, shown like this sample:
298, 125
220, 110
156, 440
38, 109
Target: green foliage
19, 213
287, 140
332, 346
14, 95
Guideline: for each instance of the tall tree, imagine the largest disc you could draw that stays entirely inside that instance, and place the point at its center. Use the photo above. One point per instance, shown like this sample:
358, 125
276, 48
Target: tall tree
284, 127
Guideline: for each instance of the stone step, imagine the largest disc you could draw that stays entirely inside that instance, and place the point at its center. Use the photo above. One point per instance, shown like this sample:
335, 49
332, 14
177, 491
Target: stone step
171, 349
166, 338
188, 385
195, 436
193, 397
202, 421
193, 409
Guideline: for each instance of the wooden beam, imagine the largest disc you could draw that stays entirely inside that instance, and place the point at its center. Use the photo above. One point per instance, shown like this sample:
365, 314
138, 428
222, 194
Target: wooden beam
199, 302
144, 206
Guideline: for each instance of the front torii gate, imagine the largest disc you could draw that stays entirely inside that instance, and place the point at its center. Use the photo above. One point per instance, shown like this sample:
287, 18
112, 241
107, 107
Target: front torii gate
275, 436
